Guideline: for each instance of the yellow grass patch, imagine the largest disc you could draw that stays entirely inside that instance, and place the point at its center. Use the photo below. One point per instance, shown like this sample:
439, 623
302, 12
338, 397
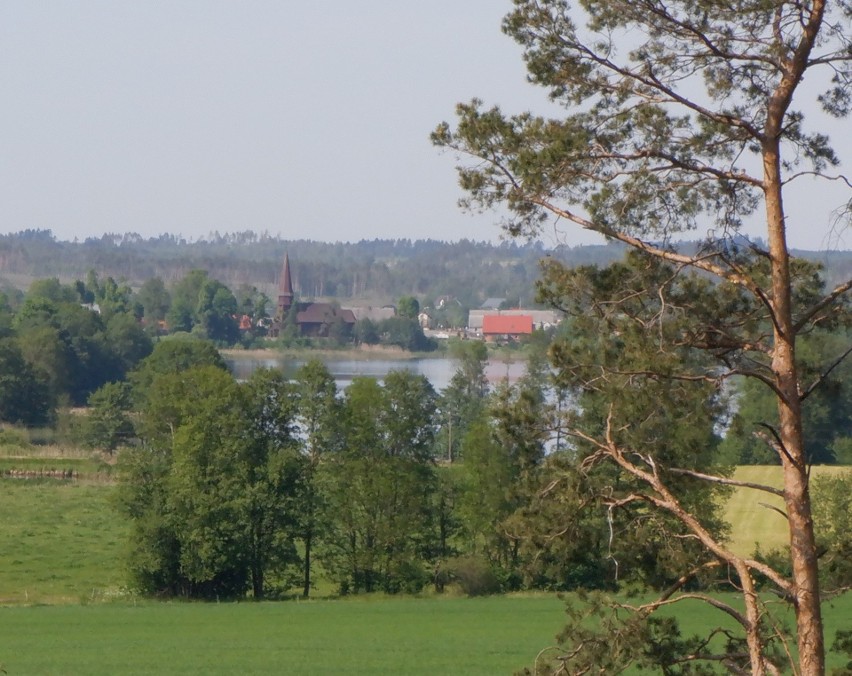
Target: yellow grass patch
750, 512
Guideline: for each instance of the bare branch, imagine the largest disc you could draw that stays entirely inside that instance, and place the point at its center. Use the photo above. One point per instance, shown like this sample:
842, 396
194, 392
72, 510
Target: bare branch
822, 376
726, 481
825, 302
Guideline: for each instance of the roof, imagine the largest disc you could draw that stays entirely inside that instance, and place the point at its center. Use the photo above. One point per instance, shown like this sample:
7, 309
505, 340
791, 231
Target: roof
507, 324
322, 313
374, 314
492, 303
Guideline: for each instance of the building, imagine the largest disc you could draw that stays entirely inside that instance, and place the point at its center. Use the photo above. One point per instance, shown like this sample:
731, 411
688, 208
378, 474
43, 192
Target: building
312, 318
506, 327
542, 319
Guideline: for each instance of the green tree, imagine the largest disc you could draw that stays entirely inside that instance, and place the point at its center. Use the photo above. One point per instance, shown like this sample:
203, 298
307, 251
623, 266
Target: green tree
108, 424
405, 333
319, 422
463, 401
52, 290
833, 525
216, 311
276, 479
127, 342
68, 342
155, 300
408, 307
826, 412
383, 487
366, 332
173, 356
182, 314
114, 298
213, 493
694, 125
25, 395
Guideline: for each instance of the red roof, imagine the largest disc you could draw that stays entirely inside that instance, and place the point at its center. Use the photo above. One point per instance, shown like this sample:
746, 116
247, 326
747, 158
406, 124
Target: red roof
507, 324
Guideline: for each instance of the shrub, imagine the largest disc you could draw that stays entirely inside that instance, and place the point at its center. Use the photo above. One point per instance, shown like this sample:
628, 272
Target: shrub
474, 575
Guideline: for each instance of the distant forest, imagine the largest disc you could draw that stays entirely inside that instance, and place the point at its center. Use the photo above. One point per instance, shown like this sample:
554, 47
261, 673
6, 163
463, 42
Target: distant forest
375, 271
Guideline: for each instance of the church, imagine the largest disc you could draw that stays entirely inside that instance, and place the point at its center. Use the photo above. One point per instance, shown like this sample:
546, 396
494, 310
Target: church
313, 319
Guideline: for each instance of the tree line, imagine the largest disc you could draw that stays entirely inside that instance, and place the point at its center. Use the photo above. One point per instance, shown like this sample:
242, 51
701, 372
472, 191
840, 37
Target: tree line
378, 271
59, 343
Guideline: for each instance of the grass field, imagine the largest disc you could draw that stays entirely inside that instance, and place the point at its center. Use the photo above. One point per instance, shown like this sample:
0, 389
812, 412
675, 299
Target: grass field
61, 577
752, 521
496, 635
59, 542
386, 636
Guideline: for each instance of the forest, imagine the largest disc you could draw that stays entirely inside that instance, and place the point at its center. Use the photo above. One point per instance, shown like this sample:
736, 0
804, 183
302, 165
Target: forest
372, 271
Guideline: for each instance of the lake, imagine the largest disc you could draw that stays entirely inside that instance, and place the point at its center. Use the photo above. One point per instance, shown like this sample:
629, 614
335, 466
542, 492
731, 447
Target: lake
438, 370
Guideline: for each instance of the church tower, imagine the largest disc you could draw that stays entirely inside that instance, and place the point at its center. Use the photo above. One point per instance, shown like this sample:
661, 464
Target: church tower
285, 289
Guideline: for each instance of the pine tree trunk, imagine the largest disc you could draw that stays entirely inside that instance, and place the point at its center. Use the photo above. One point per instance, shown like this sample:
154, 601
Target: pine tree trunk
793, 458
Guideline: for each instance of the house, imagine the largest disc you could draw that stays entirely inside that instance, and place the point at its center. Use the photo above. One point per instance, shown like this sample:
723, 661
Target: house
506, 327
312, 318
542, 319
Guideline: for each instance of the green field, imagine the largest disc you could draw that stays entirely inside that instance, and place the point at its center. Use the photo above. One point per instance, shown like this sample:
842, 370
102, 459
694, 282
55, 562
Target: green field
385, 636
495, 635
61, 577
59, 542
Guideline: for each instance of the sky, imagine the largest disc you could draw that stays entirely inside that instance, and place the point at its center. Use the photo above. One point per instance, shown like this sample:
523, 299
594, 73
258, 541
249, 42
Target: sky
301, 119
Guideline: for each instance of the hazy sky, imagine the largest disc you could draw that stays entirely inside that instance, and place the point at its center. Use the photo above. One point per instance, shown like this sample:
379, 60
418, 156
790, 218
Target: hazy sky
304, 119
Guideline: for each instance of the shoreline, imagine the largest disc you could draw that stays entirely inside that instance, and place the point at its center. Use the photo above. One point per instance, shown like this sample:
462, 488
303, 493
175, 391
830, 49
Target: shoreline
359, 353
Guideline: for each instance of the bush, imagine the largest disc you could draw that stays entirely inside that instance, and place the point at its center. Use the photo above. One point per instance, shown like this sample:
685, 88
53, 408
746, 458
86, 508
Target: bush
14, 437
474, 575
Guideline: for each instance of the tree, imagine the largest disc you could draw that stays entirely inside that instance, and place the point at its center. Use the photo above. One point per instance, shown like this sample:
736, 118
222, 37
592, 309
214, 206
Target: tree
826, 414
154, 299
365, 332
25, 395
173, 356
694, 126
182, 314
408, 307
463, 401
276, 477
318, 419
405, 333
108, 424
216, 311
213, 493
383, 484
127, 341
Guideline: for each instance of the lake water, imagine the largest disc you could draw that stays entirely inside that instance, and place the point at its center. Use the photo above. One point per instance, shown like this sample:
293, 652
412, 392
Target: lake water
438, 370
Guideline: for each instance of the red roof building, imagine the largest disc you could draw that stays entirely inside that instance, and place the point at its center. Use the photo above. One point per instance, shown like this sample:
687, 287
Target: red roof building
507, 325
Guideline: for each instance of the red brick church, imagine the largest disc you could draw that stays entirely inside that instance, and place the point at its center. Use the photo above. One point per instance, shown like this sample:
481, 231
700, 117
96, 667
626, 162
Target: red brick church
312, 318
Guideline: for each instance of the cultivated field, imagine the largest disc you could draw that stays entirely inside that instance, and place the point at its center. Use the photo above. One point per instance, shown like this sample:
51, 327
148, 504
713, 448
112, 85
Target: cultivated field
750, 513
379, 636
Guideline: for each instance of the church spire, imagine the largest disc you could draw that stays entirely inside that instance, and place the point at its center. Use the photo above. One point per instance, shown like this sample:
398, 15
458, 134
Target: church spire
285, 288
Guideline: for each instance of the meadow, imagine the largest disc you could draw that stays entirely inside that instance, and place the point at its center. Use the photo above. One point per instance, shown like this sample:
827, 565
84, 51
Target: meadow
61, 580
